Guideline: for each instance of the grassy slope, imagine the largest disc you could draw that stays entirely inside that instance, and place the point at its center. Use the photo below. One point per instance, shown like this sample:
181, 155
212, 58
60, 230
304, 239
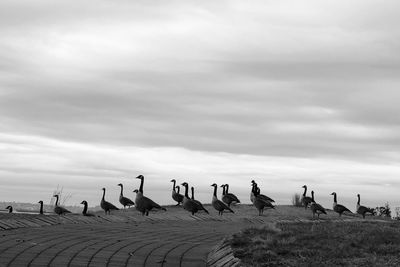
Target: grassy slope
320, 244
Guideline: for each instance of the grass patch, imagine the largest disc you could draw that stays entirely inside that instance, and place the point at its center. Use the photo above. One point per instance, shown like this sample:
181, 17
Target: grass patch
320, 244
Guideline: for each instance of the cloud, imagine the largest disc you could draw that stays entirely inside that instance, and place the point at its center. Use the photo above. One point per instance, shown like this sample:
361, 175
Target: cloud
267, 81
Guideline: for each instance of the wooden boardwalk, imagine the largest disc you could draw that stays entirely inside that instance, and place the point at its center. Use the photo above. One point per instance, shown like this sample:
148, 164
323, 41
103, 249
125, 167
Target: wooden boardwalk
172, 238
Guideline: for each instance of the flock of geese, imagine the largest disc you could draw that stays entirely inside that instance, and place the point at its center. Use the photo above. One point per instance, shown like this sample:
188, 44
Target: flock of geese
144, 204
338, 208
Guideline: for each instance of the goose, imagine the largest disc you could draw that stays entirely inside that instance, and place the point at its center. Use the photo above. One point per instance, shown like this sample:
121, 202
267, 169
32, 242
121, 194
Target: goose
362, 210
218, 204
10, 209
261, 203
41, 207
257, 191
201, 207
58, 209
175, 195
315, 207
305, 200
105, 205
124, 200
189, 204
144, 204
227, 197
337, 207
85, 208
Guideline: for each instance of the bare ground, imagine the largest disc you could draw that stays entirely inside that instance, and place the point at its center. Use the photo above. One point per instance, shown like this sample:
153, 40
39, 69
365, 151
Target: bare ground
125, 238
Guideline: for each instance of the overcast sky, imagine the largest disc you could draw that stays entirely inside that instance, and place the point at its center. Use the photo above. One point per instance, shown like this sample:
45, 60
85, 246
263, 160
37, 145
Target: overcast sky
94, 93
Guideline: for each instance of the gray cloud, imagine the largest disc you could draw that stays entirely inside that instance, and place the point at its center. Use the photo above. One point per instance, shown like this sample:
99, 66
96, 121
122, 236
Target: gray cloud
268, 79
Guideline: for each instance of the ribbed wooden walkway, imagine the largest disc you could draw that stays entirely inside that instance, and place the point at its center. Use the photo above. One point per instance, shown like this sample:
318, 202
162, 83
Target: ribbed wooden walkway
172, 238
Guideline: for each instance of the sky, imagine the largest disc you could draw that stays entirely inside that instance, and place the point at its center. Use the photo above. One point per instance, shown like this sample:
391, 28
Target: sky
94, 93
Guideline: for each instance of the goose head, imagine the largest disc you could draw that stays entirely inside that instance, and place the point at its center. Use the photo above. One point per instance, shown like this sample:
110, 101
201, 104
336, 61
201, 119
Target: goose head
253, 182
333, 193
173, 181
119, 184
55, 195
84, 202
103, 189
304, 186
40, 201
136, 191
140, 177
214, 184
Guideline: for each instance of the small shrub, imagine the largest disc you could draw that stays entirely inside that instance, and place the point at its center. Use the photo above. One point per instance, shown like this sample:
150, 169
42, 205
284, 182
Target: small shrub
296, 200
384, 211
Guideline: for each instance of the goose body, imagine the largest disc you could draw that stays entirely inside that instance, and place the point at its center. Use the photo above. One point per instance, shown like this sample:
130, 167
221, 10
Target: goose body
189, 204
315, 207
58, 209
175, 195
362, 210
257, 191
85, 208
218, 204
227, 197
305, 200
105, 205
144, 204
337, 207
41, 207
261, 203
200, 206
124, 200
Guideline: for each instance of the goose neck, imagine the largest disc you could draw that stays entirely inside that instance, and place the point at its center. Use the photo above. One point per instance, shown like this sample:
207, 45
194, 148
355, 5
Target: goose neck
173, 185
141, 185
186, 191
192, 192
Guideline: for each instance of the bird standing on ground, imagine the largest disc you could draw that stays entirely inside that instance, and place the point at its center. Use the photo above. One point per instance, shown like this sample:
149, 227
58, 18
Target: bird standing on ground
189, 204
58, 209
105, 205
305, 200
337, 207
175, 195
201, 207
144, 204
124, 200
218, 204
227, 197
362, 210
256, 190
260, 203
315, 207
